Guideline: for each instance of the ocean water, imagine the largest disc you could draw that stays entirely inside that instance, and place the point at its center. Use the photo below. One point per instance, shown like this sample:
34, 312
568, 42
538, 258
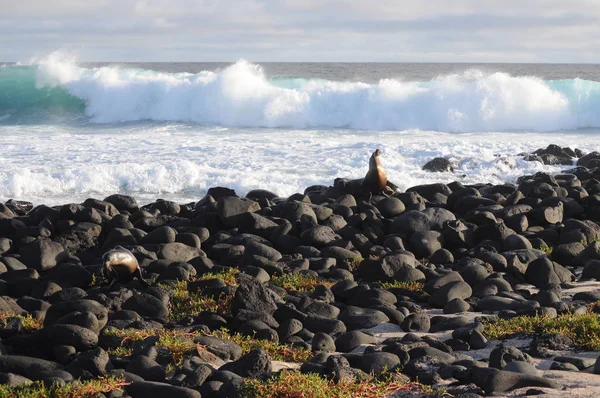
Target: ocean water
70, 131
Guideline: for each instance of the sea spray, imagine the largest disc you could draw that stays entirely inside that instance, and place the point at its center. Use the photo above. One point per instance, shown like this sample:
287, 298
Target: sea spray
66, 164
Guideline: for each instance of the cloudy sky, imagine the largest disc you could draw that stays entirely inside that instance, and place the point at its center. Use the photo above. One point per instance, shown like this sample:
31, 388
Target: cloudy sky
303, 30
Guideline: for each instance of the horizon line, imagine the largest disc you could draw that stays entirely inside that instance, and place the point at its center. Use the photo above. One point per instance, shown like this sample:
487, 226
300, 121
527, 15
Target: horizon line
330, 62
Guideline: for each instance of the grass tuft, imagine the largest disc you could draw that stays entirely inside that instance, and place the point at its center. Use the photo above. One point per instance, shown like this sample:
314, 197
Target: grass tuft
546, 249
412, 286
353, 263
228, 276
586, 243
180, 344
583, 329
95, 280
293, 384
276, 351
183, 303
29, 322
91, 388
299, 282
121, 351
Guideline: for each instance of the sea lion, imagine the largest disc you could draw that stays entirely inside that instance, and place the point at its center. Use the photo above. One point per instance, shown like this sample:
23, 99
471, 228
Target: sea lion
375, 181
120, 265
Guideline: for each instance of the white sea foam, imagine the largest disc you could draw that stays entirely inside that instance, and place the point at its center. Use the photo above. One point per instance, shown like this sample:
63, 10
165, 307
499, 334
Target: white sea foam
58, 164
242, 96
184, 133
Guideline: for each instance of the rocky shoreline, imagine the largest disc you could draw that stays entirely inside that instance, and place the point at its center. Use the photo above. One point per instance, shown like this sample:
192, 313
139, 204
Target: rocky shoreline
481, 289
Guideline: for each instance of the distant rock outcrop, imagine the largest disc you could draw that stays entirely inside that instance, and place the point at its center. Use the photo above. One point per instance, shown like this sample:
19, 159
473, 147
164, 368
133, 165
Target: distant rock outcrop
554, 155
439, 165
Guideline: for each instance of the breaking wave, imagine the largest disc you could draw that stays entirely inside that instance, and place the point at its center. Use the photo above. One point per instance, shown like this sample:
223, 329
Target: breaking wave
241, 95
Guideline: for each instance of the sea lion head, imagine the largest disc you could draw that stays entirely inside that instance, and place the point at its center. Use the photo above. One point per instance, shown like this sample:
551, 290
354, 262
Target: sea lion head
375, 162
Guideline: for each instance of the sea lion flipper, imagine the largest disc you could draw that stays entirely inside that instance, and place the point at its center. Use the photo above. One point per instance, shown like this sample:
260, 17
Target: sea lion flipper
110, 284
393, 186
138, 274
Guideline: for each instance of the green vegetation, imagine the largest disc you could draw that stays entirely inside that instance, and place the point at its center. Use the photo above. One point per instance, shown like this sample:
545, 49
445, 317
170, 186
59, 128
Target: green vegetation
122, 351
92, 388
299, 282
95, 280
583, 329
353, 263
412, 286
228, 276
29, 322
183, 303
182, 344
546, 249
276, 351
586, 242
293, 384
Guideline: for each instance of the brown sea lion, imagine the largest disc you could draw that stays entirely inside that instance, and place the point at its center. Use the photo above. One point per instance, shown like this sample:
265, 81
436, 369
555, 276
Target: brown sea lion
120, 265
375, 181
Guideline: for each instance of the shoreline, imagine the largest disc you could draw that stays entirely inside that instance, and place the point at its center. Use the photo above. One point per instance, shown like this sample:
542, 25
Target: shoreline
148, 163
420, 281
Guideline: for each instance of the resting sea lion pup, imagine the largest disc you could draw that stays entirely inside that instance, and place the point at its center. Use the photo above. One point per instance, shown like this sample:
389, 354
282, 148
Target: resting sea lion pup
119, 264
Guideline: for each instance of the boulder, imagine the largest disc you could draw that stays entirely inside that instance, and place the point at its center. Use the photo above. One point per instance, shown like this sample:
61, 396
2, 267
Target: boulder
439, 165
42, 254
256, 364
252, 295
73, 335
230, 209
361, 318
147, 305
542, 272
21, 365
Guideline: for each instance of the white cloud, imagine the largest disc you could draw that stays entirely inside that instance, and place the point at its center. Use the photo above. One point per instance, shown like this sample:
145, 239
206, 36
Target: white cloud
304, 30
